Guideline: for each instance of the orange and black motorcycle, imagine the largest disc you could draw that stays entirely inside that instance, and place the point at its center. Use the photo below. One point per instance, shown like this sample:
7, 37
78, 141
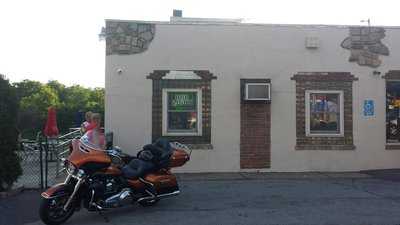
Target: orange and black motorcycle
103, 179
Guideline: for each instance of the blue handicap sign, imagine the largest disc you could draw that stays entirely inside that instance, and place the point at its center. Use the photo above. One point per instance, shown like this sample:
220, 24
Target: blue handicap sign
369, 108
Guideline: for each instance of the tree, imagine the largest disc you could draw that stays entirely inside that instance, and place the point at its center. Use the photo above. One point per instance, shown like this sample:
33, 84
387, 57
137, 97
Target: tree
26, 88
58, 88
34, 110
10, 169
41, 100
35, 98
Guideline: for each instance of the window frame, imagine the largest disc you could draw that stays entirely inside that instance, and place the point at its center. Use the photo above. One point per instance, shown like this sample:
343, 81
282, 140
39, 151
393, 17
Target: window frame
165, 112
307, 113
386, 106
256, 99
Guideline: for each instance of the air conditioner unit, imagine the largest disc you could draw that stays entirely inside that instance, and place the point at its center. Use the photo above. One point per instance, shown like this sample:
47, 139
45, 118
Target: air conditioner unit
258, 92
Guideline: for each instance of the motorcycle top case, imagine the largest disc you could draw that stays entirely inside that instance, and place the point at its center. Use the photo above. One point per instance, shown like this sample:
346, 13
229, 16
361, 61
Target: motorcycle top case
179, 158
164, 182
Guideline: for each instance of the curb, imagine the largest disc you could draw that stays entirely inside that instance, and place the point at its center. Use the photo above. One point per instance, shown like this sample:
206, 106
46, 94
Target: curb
270, 176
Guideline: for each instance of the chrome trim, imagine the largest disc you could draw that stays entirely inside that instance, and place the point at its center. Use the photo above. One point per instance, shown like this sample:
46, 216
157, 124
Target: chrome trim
159, 196
98, 207
125, 194
68, 165
44, 195
76, 176
92, 197
146, 182
117, 198
76, 188
68, 179
169, 194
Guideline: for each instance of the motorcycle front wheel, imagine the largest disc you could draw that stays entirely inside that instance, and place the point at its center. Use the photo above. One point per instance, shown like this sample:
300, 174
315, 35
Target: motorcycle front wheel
52, 211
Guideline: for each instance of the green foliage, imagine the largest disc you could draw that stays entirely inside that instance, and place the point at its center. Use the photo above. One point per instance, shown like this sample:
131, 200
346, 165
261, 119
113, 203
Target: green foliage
27, 88
36, 97
10, 168
59, 89
40, 100
33, 109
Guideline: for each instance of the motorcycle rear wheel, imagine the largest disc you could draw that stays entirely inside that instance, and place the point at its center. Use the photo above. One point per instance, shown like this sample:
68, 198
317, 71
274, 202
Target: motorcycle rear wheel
51, 211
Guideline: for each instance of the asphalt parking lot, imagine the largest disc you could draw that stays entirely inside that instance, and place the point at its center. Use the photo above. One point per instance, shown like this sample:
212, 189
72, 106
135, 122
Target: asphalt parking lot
258, 199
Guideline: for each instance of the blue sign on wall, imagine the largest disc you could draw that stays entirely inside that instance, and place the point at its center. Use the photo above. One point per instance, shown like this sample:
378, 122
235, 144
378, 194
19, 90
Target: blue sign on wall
369, 108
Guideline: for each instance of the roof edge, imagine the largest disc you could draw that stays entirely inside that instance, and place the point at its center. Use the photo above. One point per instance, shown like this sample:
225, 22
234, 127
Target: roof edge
248, 24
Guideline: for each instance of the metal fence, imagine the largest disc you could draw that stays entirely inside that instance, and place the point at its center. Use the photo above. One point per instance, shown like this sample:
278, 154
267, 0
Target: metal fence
41, 159
29, 153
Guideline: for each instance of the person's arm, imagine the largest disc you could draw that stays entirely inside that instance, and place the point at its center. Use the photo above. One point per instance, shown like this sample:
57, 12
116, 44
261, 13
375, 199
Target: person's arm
102, 141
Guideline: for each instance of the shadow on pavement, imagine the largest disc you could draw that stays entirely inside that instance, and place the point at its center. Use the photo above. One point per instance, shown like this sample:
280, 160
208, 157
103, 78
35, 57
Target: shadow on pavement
20, 209
386, 174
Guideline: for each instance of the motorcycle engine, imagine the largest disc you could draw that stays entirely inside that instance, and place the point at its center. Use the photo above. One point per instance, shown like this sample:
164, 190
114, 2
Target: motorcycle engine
103, 186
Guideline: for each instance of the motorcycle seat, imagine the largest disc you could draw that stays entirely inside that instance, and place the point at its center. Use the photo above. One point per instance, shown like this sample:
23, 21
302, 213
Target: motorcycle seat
137, 168
153, 157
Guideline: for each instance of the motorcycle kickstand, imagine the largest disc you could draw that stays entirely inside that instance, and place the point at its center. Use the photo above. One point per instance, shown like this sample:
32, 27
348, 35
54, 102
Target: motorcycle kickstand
104, 216
99, 209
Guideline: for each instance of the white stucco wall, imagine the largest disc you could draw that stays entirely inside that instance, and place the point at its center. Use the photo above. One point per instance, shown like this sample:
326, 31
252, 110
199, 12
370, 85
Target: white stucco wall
232, 52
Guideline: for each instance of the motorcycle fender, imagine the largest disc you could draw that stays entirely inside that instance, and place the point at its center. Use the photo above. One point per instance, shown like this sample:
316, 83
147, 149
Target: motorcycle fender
56, 191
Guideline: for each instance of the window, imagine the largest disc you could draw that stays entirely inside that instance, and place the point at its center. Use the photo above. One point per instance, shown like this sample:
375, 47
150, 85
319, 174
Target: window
182, 112
166, 123
324, 113
257, 91
324, 110
393, 111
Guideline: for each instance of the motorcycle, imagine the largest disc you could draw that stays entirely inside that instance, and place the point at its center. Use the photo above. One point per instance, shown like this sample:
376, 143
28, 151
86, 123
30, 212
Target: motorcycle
104, 179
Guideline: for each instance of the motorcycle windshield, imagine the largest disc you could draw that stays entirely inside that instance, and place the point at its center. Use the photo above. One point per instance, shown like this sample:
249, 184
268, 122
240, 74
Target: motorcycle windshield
89, 141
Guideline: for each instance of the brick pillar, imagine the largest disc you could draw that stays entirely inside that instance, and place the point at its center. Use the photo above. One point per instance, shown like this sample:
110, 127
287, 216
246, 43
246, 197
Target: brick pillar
255, 138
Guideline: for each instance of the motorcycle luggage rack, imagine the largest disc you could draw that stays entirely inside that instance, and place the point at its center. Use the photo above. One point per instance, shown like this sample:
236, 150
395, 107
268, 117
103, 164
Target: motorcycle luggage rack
178, 145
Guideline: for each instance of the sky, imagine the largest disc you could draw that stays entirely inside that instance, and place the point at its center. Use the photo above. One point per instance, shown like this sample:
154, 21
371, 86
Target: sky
58, 40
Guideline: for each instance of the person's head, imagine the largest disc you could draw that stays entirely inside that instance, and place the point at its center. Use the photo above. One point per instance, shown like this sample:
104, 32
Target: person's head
96, 119
88, 116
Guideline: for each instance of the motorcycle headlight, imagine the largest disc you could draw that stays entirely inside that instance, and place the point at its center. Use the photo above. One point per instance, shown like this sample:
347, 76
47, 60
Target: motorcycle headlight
71, 168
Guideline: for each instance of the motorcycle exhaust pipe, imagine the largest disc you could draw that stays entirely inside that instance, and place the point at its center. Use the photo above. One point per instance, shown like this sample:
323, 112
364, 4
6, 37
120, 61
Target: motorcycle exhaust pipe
118, 199
153, 197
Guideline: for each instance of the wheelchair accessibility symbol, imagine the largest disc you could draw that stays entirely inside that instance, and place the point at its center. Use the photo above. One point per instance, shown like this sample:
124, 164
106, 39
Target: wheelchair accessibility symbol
369, 108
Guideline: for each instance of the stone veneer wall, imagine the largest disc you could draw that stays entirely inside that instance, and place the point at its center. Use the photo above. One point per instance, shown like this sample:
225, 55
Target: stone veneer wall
365, 45
195, 142
255, 130
124, 38
324, 81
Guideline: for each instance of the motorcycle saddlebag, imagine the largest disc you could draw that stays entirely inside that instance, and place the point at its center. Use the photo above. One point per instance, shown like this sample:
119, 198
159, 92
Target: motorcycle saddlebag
178, 158
163, 181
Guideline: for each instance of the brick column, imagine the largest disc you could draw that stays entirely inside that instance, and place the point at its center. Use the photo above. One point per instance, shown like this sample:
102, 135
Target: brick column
255, 138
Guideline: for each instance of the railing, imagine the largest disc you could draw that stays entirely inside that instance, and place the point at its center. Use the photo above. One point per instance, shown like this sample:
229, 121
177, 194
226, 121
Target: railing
41, 159
61, 147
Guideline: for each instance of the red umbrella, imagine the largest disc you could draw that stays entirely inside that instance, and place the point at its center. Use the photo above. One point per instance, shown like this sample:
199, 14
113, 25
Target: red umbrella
51, 129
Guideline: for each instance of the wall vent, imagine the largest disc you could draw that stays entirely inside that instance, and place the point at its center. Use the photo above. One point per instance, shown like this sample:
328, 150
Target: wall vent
312, 42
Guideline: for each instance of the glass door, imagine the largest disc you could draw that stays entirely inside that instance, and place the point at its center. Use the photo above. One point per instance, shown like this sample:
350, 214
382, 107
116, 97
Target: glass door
393, 111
